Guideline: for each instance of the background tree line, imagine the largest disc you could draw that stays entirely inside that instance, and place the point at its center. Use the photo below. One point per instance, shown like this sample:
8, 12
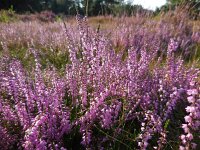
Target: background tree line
91, 7
71, 7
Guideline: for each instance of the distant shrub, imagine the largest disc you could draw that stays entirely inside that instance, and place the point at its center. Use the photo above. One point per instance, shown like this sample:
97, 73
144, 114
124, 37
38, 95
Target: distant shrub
46, 16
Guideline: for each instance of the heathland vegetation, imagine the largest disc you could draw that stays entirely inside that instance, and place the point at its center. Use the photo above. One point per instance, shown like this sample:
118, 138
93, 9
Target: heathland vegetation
115, 81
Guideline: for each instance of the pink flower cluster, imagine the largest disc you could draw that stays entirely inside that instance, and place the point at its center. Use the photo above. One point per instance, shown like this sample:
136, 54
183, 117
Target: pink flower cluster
192, 119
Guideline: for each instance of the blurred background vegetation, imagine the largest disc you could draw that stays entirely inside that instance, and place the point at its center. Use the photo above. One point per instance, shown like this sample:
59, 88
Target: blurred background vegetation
92, 7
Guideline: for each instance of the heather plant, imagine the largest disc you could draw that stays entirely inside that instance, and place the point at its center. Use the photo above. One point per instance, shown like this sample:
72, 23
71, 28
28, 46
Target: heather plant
112, 94
27, 117
128, 32
192, 119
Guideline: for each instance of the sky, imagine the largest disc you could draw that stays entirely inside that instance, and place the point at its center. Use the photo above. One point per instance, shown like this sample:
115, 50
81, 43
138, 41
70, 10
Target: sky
149, 4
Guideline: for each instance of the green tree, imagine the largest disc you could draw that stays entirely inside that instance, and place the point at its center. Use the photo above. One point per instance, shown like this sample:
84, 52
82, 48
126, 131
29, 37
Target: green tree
64, 6
99, 7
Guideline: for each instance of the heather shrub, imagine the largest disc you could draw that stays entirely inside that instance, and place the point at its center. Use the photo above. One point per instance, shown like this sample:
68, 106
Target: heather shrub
138, 32
68, 87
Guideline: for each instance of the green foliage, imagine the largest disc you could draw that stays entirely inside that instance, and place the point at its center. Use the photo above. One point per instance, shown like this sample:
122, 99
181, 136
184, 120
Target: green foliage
7, 15
166, 124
